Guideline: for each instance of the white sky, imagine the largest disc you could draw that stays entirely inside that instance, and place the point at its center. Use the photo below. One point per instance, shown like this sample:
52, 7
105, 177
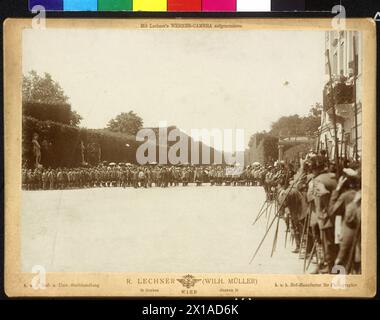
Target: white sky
189, 78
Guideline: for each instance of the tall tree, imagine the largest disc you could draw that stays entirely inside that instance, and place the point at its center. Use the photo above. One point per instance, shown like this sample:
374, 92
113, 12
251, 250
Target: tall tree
287, 126
44, 90
129, 123
312, 122
75, 119
295, 125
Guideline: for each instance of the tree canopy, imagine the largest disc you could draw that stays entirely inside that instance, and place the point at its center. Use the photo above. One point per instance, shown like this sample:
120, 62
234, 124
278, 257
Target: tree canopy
295, 125
129, 123
44, 90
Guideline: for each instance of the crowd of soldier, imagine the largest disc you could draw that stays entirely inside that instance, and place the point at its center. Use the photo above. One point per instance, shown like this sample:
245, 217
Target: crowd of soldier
137, 176
322, 209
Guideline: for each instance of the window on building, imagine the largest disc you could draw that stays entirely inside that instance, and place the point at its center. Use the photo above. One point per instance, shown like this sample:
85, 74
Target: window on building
356, 53
341, 57
357, 127
335, 64
347, 138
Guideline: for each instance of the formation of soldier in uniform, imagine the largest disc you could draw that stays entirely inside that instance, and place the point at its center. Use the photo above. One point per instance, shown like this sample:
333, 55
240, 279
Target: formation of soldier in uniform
322, 212
136, 176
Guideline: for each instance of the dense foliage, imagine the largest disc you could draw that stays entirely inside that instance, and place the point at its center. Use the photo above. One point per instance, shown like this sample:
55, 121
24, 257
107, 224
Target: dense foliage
129, 123
296, 126
44, 99
61, 145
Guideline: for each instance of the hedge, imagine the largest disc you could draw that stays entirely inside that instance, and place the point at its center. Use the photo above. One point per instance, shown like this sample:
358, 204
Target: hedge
61, 144
48, 112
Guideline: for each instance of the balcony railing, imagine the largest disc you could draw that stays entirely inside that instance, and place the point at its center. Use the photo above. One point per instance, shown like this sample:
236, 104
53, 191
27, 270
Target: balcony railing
341, 93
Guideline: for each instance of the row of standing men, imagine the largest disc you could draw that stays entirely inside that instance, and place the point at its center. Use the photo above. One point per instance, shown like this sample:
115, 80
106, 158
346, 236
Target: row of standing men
138, 176
322, 211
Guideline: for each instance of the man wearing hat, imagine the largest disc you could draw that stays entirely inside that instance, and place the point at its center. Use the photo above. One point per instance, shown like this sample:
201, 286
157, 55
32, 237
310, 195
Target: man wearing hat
343, 206
323, 185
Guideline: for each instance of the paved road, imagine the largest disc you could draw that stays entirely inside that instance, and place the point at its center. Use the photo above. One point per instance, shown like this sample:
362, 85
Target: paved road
181, 229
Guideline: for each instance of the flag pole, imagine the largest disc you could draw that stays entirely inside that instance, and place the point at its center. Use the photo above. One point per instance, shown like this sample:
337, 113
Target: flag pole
334, 116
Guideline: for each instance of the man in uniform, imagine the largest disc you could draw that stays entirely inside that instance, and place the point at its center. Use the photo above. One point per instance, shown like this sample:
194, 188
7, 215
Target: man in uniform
24, 179
52, 179
59, 178
45, 179
30, 180
142, 177
323, 184
38, 178
198, 176
344, 206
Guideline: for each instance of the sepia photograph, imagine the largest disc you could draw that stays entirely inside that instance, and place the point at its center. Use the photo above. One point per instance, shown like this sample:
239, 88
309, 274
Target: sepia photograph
190, 158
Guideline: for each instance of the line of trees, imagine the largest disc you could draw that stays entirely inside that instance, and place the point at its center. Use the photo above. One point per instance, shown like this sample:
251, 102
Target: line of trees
47, 112
41, 94
44, 99
61, 145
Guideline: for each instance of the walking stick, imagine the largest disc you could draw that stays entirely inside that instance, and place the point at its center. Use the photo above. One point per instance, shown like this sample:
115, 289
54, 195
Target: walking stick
265, 204
302, 240
287, 230
269, 207
262, 211
262, 241
292, 231
313, 250
274, 219
275, 236
258, 216
307, 239
286, 236
268, 214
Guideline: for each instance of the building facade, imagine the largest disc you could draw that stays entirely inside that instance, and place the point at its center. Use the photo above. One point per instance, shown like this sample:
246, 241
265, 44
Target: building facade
263, 148
343, 90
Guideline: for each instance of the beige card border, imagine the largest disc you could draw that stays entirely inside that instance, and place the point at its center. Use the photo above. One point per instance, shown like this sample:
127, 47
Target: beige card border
18, 284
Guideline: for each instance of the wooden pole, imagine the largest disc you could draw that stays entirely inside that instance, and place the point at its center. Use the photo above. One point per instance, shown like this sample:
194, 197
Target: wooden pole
341, 145
276, 216
319, 141
334, 117
345, 150
355, 105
